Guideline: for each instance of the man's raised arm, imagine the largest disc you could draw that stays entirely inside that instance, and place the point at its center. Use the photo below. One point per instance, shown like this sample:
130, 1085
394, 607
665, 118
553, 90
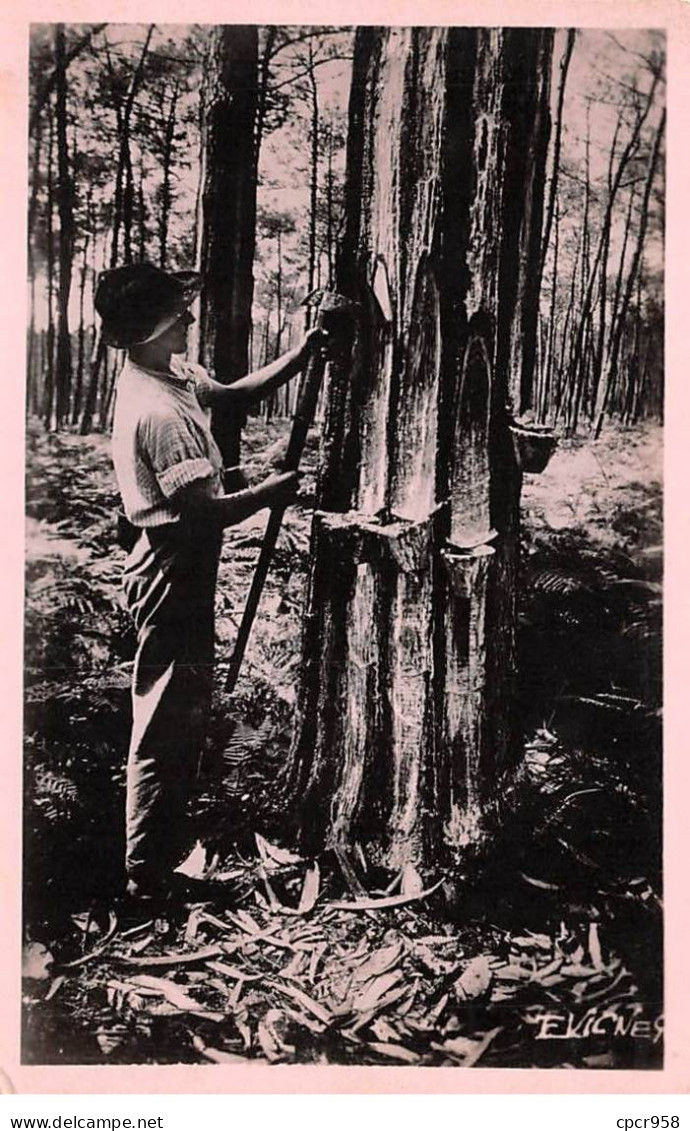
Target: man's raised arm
263, 381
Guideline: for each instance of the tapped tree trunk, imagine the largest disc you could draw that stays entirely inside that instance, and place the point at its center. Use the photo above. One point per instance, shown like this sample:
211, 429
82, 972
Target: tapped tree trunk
404, 720
229, 216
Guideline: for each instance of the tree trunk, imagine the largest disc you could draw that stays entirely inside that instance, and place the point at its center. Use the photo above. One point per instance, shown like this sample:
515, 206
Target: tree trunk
330, 226
403, 720
264, 76
620, 275
229, 216
557, 135
49, 379
279, 296
313, 171
81, 335
141, 216
66, 238
545, 403
166, 191
33, 365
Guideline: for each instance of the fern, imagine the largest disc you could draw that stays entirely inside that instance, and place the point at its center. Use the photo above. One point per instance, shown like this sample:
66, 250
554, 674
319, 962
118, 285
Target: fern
54, 794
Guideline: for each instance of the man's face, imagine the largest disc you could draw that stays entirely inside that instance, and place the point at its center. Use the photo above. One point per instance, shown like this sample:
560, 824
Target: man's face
175, 336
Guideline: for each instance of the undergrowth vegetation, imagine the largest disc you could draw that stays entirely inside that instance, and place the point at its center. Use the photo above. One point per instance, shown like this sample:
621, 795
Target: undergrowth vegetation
575, 862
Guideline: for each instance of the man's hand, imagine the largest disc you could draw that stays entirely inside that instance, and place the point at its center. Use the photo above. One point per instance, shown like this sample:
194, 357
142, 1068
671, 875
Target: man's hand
206, 388
315, 341
280, 488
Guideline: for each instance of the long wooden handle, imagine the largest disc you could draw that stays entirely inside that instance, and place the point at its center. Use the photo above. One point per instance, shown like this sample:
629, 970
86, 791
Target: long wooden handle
254, 596
304, 416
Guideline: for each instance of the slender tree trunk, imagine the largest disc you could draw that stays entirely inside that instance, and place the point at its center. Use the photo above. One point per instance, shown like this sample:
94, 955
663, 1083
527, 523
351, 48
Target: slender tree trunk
66, 237
98, 356
556, 147
141, 215
49, 381
81, 335
128, 197
279, 296
603, 284
634, 368
229, 216
33, 365
544, 407
166, 188
620, 275
566, 352
313, 172
330, 226
267, 337
264, 77
32, 383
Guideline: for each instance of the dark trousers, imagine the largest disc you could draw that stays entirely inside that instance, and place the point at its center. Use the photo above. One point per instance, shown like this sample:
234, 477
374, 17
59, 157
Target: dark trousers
169, 582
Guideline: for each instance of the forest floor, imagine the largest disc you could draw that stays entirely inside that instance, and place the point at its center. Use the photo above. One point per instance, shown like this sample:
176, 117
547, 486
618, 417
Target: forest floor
542, 950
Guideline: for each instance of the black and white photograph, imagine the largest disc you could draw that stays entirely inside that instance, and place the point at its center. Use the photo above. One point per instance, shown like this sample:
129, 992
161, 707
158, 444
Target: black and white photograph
343, 547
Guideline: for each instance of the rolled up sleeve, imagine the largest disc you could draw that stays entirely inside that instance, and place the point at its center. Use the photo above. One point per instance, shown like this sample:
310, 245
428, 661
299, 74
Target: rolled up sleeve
177, 455
180, 475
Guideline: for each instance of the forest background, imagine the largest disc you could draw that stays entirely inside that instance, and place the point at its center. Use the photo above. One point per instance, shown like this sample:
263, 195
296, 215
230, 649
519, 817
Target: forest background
116, 175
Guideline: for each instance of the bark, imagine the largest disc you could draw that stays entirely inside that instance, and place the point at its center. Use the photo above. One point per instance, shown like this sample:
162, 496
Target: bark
63, 373
229, 215
441, 247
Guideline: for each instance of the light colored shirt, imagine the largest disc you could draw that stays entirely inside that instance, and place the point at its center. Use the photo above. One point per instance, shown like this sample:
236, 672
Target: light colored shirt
162, 441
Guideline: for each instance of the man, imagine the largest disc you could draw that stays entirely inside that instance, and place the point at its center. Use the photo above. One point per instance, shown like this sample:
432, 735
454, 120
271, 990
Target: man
170, 475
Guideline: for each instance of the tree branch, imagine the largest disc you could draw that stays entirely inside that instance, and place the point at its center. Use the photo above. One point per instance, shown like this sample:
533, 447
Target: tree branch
48, 85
